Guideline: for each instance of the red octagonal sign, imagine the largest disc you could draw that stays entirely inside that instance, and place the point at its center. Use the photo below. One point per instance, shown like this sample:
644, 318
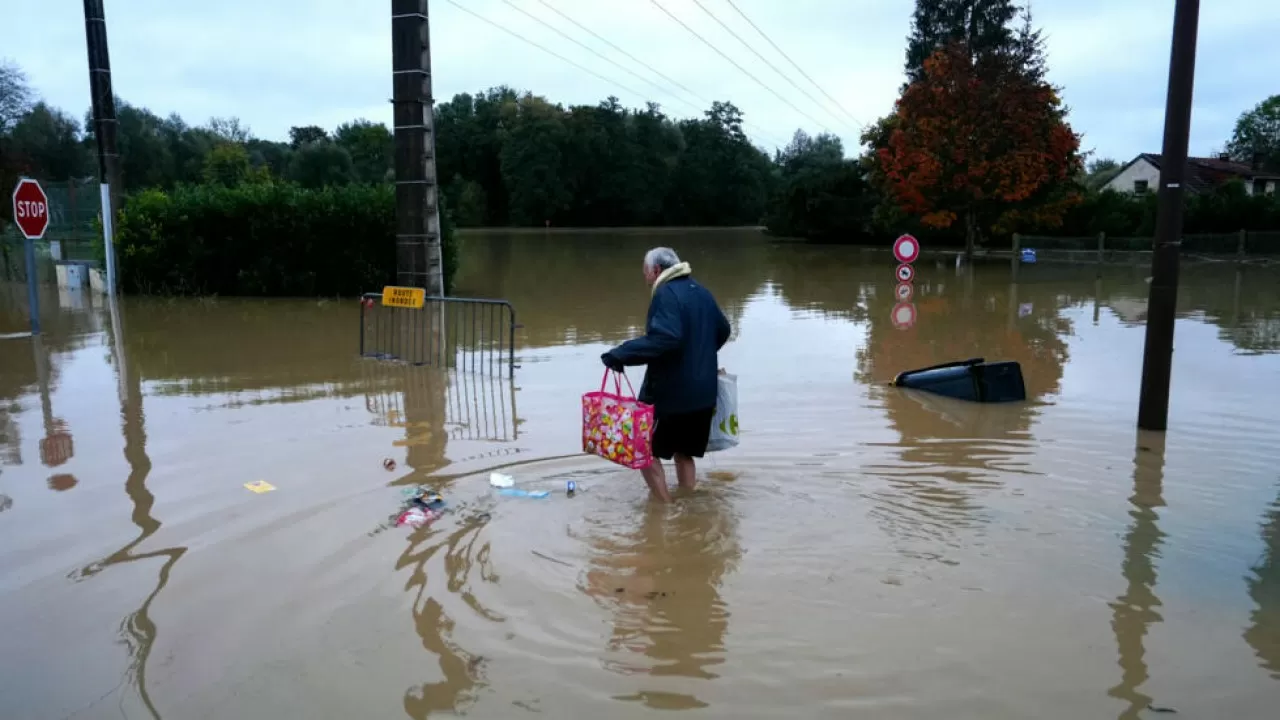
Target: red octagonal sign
30, 209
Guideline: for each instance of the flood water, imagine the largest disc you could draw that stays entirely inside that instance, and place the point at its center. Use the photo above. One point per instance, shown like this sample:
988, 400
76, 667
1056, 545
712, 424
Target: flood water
865, 552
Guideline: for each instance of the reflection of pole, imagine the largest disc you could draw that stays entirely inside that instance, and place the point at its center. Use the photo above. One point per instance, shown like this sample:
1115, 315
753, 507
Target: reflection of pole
1235, 298
33, 291
42, 377
1097, 298
1263, 633
1157, 359
117, 343
1134, 612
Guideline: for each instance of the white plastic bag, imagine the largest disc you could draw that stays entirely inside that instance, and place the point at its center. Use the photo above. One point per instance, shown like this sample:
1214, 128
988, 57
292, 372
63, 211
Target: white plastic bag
724, 424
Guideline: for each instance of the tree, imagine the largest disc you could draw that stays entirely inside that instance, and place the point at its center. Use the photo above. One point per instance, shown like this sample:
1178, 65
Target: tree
1256, 139
228, 164
319, 164
983, 26
15, 95
302, 135
49, 139
229, 129
372, 149
982, 143
821, 195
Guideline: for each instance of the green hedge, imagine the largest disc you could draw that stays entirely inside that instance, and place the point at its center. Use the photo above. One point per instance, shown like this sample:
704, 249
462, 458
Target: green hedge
267, 239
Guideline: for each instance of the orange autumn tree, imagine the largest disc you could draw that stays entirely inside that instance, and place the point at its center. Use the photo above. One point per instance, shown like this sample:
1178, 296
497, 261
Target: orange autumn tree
982, 141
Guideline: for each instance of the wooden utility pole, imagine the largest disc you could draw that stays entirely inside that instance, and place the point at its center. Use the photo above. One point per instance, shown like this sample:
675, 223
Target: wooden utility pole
419, 256
104, 127
1157, 358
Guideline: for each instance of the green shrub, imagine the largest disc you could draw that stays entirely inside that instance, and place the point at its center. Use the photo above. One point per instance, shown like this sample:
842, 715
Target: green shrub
264, 239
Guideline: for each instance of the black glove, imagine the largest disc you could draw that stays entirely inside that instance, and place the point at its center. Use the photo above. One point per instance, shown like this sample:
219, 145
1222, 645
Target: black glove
612, 362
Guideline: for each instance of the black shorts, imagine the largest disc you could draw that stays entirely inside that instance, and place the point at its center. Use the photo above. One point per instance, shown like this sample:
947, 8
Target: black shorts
683, 434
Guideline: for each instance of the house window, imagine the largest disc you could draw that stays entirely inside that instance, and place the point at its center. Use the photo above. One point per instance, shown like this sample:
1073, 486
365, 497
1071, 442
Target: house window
1140, 187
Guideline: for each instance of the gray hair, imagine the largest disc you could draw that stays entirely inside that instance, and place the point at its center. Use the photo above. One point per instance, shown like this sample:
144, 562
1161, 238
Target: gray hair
661, 258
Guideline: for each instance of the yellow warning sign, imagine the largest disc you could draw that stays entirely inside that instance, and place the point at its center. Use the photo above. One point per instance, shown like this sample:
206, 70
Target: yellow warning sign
405, 297
260, 486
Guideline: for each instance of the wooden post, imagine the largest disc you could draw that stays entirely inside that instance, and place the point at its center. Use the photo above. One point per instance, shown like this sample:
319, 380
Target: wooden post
1102, 250
1240, 244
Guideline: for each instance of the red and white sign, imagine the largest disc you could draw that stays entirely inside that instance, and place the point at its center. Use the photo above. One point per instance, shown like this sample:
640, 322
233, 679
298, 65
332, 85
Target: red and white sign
904, 291
903, 315
906, 249
30, 209
905, 273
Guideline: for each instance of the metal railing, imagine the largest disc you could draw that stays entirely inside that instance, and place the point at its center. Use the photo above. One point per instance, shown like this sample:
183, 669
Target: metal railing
467, 334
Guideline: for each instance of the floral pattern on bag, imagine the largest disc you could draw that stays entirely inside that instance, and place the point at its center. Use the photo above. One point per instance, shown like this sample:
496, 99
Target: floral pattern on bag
617, 428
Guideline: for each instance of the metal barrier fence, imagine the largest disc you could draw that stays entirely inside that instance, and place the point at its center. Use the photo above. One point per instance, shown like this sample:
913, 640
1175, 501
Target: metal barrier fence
1241, 243
468, 334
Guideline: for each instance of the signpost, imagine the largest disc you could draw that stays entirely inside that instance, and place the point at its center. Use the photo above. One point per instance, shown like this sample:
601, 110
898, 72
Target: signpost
405, 297
906, 249
31, 215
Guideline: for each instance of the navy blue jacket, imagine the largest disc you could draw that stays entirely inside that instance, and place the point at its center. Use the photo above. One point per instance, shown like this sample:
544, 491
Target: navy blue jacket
683, 335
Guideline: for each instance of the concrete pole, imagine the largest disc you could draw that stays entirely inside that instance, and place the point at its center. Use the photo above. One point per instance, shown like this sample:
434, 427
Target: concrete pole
104, 128
419, 256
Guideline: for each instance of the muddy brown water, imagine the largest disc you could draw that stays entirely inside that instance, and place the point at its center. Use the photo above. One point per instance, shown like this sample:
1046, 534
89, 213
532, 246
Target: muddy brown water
865, 552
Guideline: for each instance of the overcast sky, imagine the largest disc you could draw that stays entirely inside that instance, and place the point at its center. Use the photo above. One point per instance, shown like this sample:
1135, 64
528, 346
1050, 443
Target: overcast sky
278, 63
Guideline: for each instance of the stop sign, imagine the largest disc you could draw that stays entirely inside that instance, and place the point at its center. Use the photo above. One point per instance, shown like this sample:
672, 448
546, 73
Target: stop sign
30, 209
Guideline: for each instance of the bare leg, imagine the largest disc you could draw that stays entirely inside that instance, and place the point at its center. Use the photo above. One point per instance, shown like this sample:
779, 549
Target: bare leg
686, 472
656, 478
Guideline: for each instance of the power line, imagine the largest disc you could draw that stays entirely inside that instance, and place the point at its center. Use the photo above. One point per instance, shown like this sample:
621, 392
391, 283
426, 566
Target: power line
591, 50
758, 130
545, 49
794, 65
557, 55
733, 62
633, 58
763, 59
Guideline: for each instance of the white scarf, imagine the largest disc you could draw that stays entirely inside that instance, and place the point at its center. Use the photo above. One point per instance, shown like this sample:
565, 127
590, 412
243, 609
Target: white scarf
671, 273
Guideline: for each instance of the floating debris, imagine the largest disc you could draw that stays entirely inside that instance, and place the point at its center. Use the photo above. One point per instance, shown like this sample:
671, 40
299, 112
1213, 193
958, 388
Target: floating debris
259, 486
389, 464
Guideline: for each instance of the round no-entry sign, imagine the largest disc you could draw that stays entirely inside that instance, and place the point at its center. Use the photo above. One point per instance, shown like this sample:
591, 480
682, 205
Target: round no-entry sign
906, 249
30, 209
903, 315
905, 273
904, 291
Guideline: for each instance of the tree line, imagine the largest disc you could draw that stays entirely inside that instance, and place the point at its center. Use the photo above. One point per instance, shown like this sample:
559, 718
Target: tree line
977, 146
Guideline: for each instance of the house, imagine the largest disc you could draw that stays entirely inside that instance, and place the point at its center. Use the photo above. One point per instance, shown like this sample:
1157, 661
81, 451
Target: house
1142, 174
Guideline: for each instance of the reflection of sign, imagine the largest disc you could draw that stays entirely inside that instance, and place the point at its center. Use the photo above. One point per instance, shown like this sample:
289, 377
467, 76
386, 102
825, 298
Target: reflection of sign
1025, 309
906, 249
904, 291
405, 297
30, 209
903, 315
906, 273
56, 449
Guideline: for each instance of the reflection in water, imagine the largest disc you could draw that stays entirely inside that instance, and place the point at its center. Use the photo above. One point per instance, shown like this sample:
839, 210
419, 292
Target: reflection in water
1133, 612
662, 581
451, 573
137, 630
1263, 633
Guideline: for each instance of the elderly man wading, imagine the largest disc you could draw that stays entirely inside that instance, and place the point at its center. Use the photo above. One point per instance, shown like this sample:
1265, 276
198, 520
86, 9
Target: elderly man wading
684, 332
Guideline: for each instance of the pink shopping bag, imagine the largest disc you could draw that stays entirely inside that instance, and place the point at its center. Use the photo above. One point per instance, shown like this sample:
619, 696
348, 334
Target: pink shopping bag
617, 427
